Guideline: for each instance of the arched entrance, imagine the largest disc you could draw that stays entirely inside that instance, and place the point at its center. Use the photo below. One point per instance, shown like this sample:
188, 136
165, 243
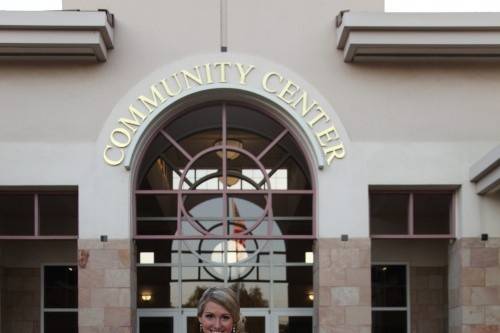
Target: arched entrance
224, 196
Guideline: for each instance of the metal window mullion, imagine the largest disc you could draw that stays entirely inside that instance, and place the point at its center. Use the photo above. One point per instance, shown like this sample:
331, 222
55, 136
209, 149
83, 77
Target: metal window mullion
389, 308
36, 221
411, 219
224, 171
179, 273
60, 310
271, 275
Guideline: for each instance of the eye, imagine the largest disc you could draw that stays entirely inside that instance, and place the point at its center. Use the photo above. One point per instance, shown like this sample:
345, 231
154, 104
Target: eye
209, 315
226, 317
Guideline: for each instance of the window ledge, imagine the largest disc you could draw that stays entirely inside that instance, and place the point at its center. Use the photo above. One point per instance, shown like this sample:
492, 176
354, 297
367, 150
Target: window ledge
370, 36
486, 172
76, 35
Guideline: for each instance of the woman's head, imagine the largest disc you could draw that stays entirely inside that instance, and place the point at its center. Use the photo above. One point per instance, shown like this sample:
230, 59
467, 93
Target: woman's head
219, 311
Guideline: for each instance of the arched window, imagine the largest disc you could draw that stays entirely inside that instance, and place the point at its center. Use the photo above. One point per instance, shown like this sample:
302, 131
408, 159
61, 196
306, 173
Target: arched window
224, 196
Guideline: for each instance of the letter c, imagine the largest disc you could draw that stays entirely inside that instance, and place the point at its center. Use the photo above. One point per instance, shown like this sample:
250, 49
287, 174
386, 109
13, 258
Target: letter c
111, 161
265, 80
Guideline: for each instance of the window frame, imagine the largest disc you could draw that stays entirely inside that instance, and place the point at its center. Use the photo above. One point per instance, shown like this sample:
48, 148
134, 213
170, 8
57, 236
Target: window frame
43, 309
411, 192
407, 308
36, 220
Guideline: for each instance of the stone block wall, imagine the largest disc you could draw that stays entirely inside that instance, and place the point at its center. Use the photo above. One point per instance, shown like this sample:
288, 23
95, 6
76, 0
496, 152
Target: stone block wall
20, 300
474, 278
104, 286
343, 280
429, 299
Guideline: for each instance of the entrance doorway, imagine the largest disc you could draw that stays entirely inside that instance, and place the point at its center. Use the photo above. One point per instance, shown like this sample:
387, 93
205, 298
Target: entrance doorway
224, 197
282, 321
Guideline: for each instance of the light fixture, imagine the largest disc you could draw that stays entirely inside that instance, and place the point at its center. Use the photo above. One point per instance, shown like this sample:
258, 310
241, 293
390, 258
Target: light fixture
309, 258
310, 296
231, 154
146, 296
231, 180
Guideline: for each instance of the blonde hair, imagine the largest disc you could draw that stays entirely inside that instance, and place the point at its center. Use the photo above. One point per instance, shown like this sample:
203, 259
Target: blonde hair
226, 298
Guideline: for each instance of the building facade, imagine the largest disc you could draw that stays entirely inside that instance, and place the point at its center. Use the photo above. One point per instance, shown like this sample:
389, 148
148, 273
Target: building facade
337, 168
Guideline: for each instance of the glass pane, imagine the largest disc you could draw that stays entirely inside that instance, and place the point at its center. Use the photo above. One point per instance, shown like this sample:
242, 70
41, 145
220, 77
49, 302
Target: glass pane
244, 207
17, 214
254, 129
299, 250
287, 156
293, 287
292, 205
293, 227
58, 214
156, 325
251, 292
155, 251
198, 129
156, 205
295, 324
66, 322
388, 285
255, 324
155, 287
192, 289
389, 213
389, 322
432, 213
156, 214
61, 287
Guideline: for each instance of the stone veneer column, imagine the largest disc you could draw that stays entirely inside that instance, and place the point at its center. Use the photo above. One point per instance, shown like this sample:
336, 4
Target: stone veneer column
343, 277
104, 286
474, 286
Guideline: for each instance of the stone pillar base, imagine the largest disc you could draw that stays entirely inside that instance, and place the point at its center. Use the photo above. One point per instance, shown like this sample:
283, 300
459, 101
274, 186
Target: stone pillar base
344, 279
474, 282
104, 286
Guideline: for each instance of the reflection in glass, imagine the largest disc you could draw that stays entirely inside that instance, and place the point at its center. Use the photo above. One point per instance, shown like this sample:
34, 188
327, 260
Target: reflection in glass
60, 287
388, 285
154, 287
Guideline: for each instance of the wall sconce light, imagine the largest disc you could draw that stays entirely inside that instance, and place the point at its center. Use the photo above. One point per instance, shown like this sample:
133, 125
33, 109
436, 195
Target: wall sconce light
146, 296
310, 296
231, 155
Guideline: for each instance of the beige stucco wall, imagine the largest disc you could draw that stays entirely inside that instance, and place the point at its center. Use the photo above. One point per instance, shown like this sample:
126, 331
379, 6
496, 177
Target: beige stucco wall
406, 123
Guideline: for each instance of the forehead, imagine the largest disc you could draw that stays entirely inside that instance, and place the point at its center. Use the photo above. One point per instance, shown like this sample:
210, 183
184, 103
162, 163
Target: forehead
215, 308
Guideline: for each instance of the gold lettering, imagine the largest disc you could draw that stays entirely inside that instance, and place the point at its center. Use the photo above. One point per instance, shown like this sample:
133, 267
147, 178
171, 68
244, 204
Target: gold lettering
208, 73
321, 115
110, 161
114, 138
167, 88
287, 91
133, 124
151, 104
222, 66
326, 133
305, 108
337, 151
265, 81
193, 77
244, 72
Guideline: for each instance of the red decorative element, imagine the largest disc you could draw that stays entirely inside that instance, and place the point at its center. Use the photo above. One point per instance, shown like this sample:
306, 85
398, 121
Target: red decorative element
83, 258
